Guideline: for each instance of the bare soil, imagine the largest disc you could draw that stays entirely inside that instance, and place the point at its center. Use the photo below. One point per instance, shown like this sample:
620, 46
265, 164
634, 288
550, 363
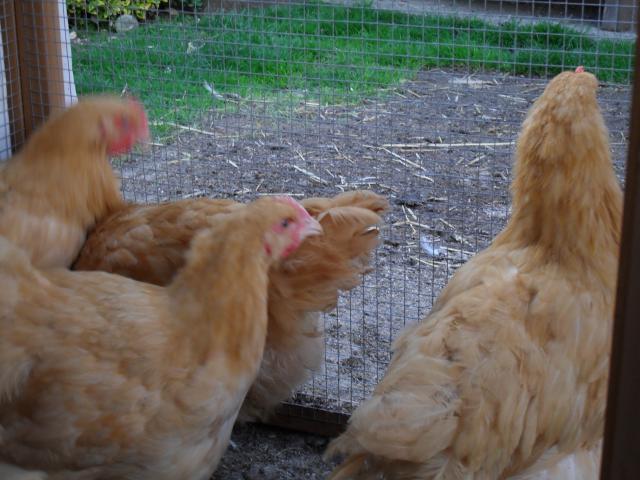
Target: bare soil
439, 147
264, 453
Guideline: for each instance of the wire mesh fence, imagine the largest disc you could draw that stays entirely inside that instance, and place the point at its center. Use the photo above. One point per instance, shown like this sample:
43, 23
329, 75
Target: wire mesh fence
420, 101
7, 73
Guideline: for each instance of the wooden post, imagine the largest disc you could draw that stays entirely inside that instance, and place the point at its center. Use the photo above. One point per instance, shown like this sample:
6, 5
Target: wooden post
12, 72
34, 58
40, 58
308, 420
621, 452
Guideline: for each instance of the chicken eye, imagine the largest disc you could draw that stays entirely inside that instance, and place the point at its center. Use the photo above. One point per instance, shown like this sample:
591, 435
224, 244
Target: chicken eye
124, 123
285, 223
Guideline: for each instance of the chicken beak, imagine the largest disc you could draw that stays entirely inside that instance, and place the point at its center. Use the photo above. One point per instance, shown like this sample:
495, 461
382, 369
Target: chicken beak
310, 228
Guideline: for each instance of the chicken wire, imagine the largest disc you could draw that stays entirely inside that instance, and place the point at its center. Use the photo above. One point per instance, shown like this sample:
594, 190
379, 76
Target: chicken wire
8, 74
420, 101
36, 76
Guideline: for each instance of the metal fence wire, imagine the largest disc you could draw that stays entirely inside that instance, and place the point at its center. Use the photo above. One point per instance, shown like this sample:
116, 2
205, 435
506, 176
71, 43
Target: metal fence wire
419, 100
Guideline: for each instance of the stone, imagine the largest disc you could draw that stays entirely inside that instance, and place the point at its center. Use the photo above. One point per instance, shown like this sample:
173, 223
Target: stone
125, 23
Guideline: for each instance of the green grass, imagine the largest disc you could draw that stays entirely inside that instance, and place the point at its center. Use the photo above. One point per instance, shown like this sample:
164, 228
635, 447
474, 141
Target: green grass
329, 54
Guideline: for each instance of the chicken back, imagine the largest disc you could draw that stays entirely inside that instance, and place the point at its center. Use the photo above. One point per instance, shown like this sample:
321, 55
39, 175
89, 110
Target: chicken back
104, 377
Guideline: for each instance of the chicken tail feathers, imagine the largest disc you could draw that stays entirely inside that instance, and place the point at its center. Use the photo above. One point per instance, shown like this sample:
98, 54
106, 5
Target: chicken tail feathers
334, 261
356, 198
354, 230
354, 461
365, 466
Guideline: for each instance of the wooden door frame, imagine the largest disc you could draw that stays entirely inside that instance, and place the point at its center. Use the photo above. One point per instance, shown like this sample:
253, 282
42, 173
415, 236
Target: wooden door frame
621, 452
33, 63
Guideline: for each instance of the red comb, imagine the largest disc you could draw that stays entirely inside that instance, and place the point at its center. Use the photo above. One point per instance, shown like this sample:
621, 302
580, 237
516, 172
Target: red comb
290, 201
144, 124
580, 69
137, 105
129, 134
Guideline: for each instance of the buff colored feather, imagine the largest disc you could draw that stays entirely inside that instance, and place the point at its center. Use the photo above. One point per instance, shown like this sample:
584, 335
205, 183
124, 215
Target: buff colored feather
104, 377
61, 182
148, 243
507, 375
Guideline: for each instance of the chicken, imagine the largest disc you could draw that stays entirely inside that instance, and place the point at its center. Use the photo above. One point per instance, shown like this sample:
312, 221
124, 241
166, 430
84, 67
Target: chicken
148, 243
582, 464
106, 377
510, 367
61, 182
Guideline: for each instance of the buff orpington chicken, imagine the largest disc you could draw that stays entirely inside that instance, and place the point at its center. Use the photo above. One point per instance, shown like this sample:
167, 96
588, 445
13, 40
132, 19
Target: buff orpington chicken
506, 378
149, 242
104, 377
60, 183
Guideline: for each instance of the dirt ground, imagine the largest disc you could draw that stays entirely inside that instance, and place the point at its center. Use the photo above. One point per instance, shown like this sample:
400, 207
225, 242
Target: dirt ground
263, 453
439, 147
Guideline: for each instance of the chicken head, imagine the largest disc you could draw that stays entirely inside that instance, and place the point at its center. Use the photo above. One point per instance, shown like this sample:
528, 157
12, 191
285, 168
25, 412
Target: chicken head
124, 125
294, 224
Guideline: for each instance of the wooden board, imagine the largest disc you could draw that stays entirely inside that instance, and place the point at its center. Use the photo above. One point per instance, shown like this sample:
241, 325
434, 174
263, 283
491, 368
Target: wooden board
33, 62
40, 59
12, 71
621, 454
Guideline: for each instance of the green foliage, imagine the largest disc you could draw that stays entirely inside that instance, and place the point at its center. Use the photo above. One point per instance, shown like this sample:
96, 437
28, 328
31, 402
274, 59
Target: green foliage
327, 53
187, 5
103, 10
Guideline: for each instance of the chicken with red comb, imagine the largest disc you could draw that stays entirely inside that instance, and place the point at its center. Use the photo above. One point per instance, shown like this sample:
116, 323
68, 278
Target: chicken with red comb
307, 225
506, 378
104, 377
127, 129
61, 182
149, 243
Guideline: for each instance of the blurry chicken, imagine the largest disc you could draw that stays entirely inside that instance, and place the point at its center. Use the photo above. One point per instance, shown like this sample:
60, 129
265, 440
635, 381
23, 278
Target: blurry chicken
61, 182
507, 375
148, 243
105, 377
